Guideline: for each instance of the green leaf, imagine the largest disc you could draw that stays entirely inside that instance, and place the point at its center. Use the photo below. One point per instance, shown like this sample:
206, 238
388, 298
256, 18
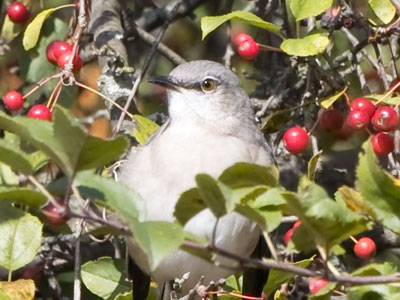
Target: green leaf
32, 31
158, 239
312, 165
375, 269
22, 196
251, 214
383, 9
7, 176
64, 141
209, 24
105, 277
97, 152
379, 189
302, 9
374, 291
144, 129
10, 30
211, 194
246, 174
393, 99
324, 221
21, 235
38, 159
272, 216
277, 277
119, 196
13, 156
125, 296
328, 102
33, 64
308, 46
188, 205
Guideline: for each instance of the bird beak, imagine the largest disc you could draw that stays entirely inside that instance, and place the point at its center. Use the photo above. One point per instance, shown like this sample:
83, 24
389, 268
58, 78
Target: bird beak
166, 81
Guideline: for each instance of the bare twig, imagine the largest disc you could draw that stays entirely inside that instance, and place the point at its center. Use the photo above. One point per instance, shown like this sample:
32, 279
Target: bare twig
270, 264
146, 65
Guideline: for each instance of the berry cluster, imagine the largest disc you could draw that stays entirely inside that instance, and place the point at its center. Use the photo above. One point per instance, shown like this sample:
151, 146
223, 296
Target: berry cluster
60, 53
14, 101
383, 120
57, 52
246, 46
363, 115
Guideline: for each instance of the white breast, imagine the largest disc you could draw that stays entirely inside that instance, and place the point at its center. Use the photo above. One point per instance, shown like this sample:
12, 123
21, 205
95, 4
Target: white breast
166, 167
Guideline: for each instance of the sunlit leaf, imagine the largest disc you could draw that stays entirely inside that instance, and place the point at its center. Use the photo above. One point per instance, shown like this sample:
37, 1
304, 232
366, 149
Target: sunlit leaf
379, 189
32, 31
105, 277
302, 9
328, 102
308, 46
21, 235
383, 9
209, 24
144, 129
158, 239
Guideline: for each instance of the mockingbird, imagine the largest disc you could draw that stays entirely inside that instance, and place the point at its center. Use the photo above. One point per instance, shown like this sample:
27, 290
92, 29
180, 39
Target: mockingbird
211, 127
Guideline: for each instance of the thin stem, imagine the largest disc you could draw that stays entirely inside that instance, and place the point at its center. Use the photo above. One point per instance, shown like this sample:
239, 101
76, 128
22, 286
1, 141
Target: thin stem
106, 98
270, 264
42, 189
271, 246
214, 233
145, 67
40, 84
353, 239
268, 48
56, 97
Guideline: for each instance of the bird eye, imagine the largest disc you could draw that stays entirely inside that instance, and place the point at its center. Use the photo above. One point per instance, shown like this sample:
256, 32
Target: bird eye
208, 85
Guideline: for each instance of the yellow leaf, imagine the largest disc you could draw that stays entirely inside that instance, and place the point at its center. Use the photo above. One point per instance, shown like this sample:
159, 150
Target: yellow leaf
22, 289
328, 102
145, 128
32, 31
354, 201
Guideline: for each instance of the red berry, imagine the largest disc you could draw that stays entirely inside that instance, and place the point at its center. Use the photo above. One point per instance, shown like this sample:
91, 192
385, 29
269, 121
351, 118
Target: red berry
13, 101
18, 13
382, 143
296, 224
316, 284
60, 48
288, 236
248, 49
289, 233
331, 120
57, 215
296, 140
242, 37
345, 132
358, 119
41, 112
385, 119
365, 248
51, 57
363, 104
66, 57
